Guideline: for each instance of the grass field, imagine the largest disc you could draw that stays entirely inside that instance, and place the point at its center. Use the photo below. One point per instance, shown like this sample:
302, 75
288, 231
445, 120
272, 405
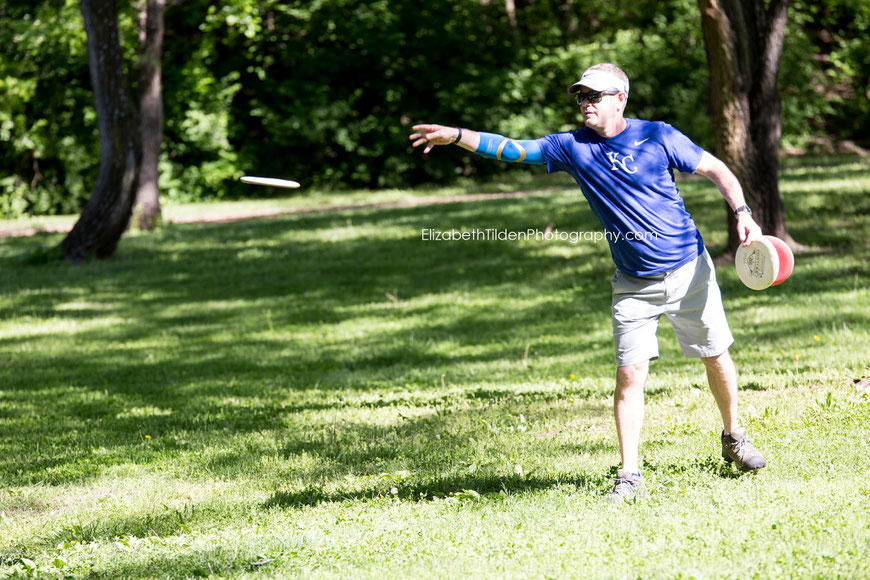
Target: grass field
329, 395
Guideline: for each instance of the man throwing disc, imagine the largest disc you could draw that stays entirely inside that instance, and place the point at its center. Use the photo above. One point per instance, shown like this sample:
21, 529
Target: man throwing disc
624, 169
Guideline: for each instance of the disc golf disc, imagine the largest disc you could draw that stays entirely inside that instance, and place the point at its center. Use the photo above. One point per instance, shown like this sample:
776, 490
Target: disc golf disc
272, 181
764, 263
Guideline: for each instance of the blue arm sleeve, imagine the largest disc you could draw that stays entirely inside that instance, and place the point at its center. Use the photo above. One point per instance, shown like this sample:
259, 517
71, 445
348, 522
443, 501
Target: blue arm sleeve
499, 147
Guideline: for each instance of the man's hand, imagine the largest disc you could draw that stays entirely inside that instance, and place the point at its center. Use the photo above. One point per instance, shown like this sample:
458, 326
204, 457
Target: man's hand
433, 135
747, 230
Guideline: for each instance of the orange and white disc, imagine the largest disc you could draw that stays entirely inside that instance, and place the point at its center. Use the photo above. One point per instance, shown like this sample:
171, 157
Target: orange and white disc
764, 263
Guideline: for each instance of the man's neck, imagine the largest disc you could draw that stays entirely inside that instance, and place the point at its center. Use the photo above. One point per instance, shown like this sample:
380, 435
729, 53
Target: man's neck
612, 128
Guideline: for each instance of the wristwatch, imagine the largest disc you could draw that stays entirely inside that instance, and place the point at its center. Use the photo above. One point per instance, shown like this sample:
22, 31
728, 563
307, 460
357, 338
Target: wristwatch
745, 208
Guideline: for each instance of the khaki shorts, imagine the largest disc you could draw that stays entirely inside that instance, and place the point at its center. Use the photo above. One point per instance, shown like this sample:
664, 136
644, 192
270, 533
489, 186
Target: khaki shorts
688, 295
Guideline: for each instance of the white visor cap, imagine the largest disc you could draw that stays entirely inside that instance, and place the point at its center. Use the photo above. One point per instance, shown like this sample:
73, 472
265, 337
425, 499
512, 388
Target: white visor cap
599, 80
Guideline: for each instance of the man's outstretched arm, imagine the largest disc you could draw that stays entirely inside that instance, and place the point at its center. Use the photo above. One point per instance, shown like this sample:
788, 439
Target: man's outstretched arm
488, 145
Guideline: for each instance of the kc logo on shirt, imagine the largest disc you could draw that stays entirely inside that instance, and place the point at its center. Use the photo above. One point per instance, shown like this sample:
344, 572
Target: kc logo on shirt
616, 163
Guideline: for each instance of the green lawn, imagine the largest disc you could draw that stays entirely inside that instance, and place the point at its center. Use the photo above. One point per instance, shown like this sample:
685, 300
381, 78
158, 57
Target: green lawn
329, 395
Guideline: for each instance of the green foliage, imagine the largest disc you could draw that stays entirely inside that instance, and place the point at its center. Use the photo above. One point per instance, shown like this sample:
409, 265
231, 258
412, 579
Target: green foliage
48, 140
336, 86
325, 92
825, 73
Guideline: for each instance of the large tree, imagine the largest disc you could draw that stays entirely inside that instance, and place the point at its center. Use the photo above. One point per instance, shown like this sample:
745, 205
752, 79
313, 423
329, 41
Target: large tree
107, 212
147, 205
744, 40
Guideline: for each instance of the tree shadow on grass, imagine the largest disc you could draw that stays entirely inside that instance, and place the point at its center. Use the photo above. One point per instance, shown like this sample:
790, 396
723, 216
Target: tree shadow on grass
470, 488
712, 464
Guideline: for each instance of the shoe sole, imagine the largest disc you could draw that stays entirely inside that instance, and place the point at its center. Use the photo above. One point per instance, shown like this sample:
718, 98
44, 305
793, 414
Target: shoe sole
743, 468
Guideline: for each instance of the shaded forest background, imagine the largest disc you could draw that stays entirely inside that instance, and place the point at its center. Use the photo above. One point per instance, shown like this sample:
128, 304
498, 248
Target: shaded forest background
324, 91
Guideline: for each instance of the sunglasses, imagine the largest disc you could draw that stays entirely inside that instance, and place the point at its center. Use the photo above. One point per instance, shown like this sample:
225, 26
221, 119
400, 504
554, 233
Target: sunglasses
594, 97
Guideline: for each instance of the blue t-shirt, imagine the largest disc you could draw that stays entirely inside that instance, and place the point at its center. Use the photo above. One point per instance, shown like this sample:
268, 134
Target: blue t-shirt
629, 183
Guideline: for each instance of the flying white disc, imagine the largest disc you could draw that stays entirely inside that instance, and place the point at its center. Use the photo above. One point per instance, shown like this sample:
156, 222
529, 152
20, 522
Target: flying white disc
764, 263
271, 181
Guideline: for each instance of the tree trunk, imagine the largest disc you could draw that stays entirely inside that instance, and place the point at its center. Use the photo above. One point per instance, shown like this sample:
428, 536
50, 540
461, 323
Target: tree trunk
147, 206
744, 44
511, 9
107, 212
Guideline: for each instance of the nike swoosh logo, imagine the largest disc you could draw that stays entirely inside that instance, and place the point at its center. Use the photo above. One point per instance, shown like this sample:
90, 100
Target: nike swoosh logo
639, 143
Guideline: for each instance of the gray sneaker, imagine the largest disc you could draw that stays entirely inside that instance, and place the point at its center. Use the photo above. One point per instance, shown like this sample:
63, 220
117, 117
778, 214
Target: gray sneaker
627, 486
737, 448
